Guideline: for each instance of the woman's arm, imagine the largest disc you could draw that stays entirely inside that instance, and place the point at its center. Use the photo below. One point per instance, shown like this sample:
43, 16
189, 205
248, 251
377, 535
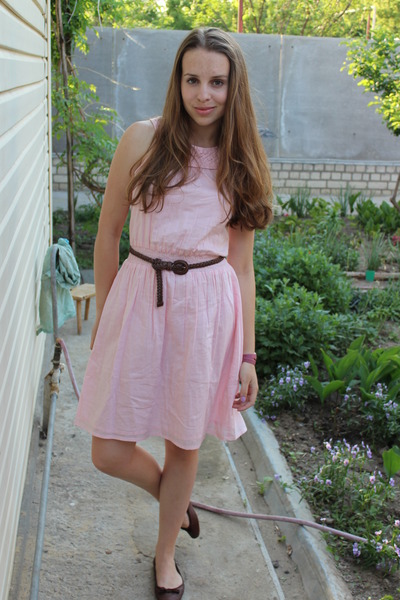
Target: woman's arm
114, 211
240, 257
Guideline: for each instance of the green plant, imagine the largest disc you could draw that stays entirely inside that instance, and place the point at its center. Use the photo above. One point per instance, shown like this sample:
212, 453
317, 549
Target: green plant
284, 263
293, 326
380, 305
300, 203
357, 500
374, 219
391, 461
374, 250
263, 484
347, 200
380, 415
360, 368
287, 389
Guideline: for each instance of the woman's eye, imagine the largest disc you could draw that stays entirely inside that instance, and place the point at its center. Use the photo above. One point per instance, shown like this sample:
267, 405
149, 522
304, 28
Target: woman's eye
218, 82
192, 80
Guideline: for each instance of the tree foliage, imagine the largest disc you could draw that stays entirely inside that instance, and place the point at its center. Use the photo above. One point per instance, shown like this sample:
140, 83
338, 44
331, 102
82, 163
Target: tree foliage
77, 111
377, 63
337, 18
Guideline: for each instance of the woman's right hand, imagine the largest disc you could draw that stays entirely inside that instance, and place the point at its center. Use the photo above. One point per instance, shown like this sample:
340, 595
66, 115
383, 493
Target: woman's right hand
94, 329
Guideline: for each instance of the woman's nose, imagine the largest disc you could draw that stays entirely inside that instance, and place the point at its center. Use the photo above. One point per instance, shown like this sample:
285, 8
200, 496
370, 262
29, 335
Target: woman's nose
204, 93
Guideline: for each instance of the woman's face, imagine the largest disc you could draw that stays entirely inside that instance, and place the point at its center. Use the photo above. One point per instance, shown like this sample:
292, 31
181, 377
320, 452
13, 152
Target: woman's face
204, 89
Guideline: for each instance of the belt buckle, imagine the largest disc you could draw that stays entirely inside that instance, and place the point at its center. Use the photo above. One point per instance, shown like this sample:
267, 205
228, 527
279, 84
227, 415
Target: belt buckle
180, 267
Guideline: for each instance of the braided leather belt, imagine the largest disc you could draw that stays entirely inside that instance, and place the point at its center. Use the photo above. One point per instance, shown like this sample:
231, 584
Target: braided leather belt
179, 267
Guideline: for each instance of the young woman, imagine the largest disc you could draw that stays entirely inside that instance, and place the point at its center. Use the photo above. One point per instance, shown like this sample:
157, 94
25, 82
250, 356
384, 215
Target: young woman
173, 340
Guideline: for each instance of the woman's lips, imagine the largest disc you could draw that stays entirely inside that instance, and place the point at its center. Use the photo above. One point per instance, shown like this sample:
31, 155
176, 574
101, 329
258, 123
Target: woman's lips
204, 111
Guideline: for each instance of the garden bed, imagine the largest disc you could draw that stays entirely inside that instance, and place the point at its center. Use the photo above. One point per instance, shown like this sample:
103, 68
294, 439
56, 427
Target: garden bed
296, 434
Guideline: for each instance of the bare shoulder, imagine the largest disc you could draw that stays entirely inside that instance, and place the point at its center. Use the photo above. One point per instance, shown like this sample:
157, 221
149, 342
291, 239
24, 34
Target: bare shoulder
137, 139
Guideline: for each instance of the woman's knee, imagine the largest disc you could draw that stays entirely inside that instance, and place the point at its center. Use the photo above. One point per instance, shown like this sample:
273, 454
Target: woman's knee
108, 455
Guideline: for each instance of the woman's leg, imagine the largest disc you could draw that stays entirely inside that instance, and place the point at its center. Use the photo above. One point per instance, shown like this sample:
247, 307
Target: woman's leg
176, 487
129, 462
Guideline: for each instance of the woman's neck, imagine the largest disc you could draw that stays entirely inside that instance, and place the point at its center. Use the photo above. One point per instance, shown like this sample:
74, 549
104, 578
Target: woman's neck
204, 137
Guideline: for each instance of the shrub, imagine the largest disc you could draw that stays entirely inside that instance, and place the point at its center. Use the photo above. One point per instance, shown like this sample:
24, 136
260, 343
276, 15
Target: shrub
279, 260
374, 218
380, 304
357, 500
289, 389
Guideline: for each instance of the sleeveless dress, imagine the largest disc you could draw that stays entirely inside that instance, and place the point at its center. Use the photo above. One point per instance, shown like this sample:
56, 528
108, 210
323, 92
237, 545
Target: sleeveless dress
170, 371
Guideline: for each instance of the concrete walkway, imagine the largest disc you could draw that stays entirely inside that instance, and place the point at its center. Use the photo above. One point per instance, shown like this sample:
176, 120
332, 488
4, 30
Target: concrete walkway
101, 532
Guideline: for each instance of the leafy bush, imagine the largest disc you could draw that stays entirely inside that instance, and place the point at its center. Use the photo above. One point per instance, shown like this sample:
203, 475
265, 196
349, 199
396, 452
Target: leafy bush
357, 500
380, 304
293, 326
279, 260
347, 200
374, 218
289, 388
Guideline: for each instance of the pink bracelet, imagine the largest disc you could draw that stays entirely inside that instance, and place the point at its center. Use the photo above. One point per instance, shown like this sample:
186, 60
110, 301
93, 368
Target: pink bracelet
250, 358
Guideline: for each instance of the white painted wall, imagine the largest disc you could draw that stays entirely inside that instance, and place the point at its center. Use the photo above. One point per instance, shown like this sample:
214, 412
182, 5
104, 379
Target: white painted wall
25, 229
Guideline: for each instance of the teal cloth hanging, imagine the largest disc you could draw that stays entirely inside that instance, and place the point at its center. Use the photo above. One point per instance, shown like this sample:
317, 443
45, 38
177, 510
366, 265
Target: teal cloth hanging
67, 277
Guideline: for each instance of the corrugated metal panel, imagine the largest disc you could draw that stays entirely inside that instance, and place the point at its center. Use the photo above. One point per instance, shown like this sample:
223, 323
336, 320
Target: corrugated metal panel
24, 234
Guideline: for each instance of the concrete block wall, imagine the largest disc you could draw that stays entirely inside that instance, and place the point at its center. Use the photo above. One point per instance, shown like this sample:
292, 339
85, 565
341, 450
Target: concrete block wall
327, 178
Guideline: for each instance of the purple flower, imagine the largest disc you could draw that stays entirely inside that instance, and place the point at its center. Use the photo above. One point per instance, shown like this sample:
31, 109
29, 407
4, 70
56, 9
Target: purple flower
356, 550
346, 462
281, 381
372, 479
312, 449
328, 482
287, 379
397, 523
277, 476
369, 453
307, 364
391, 482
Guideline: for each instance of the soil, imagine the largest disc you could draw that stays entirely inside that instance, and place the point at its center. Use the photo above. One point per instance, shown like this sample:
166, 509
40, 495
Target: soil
296, 434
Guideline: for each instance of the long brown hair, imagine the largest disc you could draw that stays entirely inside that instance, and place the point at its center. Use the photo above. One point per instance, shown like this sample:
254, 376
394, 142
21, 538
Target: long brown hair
243, 176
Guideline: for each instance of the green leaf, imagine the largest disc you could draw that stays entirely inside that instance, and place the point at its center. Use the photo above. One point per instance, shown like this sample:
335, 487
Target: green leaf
331, 387
391, 461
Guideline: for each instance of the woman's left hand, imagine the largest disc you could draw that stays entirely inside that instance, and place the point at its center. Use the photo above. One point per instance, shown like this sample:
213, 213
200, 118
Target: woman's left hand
247, 395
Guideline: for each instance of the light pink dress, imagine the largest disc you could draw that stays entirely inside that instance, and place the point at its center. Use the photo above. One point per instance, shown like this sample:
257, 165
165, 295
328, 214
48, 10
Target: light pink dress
170, 371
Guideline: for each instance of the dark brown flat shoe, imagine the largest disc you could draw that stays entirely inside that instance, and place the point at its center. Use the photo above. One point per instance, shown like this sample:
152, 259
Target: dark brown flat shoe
165, 593
194, 526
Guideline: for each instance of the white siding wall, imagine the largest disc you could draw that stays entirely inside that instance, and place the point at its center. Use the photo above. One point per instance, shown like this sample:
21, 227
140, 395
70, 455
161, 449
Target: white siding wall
24, 237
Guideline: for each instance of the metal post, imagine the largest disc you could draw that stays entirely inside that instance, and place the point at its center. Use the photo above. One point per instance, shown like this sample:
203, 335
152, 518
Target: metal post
44, 491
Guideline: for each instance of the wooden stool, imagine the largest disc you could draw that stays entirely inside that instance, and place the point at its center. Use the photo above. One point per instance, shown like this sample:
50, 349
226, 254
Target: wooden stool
79, 293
